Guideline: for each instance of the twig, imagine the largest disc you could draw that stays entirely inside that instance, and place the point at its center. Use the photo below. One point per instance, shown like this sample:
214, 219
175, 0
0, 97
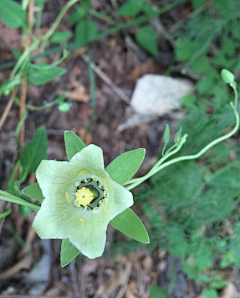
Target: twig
124, 286
8, 107
24, 78
107, 80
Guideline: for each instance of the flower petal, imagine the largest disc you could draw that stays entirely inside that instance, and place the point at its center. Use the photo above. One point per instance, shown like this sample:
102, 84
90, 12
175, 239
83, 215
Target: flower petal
55, 176
90, 239
63, 222
52, 221
91, 159
119, 199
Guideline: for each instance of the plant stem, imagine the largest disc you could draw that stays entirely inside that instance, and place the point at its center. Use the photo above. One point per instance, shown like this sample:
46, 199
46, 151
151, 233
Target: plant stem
7, 212
159, 166
6, 196
57, 22
23, 94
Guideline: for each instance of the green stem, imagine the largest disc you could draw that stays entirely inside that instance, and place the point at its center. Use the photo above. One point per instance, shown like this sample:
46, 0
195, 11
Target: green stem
57, 21
6, 196
20, 123
173, 276
92, 90
38, 22
137, 181
14, 171
23, 57
102, 16
158, 166
6, 213
46, 104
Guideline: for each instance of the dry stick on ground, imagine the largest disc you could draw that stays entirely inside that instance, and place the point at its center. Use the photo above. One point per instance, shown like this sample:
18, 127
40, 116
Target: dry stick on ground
107, 80
124, 286
8, 107
24, 78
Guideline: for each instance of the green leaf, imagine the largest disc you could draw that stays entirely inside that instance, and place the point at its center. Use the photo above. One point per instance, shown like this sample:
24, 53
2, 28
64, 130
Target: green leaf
68, 252
123, 167
34, 192
167, 134
41, 73
130, 224
86, 31
12, 14
157, 292
73, 143
35, 151
185, 48
131, 8
201, 64
145, 36
205, 84
210, 294
61, 36
149, 10
79, 12
16, 53
229, 46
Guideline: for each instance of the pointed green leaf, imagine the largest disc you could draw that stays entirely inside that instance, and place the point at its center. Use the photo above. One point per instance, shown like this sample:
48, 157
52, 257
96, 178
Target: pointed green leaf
12, 14
123, 167
73, 144
41, 73
34, 192
167, 134
68, 252
35, 151
131, 8
130, 224
85, 32
146, 37
61, 36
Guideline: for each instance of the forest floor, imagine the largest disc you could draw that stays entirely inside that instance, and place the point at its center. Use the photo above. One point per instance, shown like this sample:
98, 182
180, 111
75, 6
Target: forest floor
29, 266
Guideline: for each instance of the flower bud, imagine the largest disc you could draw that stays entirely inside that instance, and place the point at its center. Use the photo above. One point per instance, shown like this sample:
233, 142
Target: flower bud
227, 76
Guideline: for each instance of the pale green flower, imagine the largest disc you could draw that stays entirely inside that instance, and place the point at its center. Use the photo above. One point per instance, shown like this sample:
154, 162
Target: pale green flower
80, 200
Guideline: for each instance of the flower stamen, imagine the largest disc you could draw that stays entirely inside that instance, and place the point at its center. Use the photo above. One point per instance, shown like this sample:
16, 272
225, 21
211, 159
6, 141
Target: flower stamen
105, 182
67, 197
104, 205
82, 220
81, 172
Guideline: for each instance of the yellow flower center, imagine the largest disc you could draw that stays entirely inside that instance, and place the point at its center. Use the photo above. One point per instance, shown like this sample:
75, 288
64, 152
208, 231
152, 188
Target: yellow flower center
84, 196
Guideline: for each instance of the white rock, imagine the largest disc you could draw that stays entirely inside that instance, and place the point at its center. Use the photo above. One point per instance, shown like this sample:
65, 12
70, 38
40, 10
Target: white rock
157, 95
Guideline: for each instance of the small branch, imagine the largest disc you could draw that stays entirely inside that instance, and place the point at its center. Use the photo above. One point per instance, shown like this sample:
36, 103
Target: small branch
107, 80
24, 78
8, 107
